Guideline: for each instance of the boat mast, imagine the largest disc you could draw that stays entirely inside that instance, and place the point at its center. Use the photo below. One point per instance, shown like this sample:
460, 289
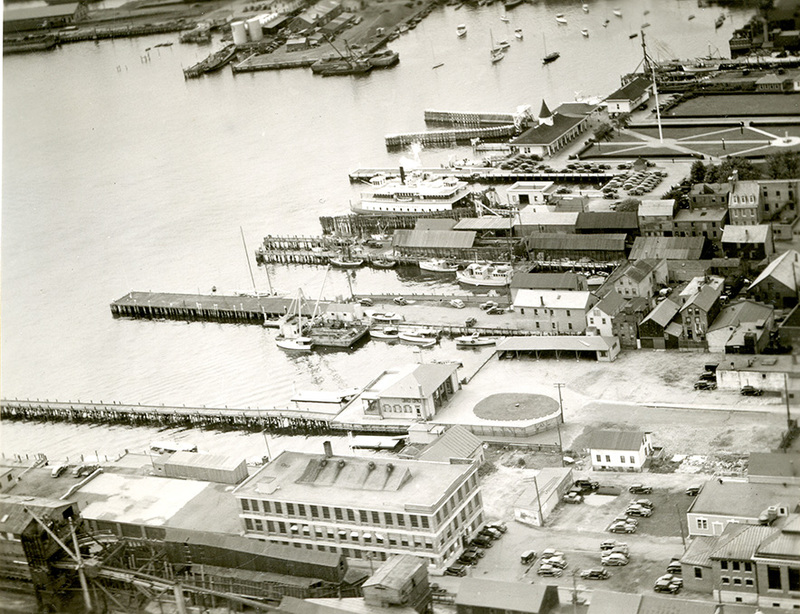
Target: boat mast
249, 266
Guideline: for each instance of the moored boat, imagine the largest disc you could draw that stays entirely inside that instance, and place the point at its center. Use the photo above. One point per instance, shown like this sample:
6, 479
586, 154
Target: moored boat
295, 344
387, 332
691, 17
343, 262
518, 33
477, 274
503, 44
389, 317
438, 266
474, 340
510, 4
383, 59
384, 263
720, 20
411, 195
551, 57
560, 19
617, 12
423, 337
461, 30
585, 8
585, 32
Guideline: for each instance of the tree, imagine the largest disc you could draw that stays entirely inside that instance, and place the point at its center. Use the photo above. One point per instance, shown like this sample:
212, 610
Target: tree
721, 172
603, 132
698, 172
622, 120
785, 165
629, 204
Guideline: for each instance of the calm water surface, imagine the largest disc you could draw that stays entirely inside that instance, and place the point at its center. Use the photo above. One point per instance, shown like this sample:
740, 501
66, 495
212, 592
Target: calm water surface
120, 175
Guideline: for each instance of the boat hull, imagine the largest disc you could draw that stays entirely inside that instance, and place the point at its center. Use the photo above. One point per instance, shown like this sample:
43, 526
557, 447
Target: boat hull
346, 264
387, 334
417, 339
433, 266
471, 341
295, 344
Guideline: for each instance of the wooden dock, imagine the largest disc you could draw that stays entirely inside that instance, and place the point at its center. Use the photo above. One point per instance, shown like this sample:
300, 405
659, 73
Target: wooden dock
361, 225
476, 120
489, 175
273, 420
449, 138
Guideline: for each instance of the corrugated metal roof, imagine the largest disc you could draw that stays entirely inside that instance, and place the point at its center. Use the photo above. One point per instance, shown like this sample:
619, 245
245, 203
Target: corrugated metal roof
447, 239
456, 442
655, 604
699, 551
783, 543
663, 313
40, 12
591, 343
396, 572
756, 233
556, 241
668, 248
546, 281
530, 216
608, 602
740, 542
211, 571
206, 461
607, 220
488, 222
434, 224
13, 517
740, 312
615, 440
499, 595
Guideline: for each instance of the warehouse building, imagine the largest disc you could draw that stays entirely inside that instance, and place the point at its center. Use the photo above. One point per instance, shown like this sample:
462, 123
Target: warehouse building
43, 17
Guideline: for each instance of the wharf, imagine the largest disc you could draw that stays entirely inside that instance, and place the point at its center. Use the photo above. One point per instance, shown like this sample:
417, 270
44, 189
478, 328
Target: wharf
449, 138
259, 62
489, 175
456, 118
127, 31
273, 420
359, 225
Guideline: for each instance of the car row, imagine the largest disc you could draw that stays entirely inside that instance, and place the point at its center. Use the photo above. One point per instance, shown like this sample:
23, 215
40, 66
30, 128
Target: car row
640, 489
552, 563
668, 583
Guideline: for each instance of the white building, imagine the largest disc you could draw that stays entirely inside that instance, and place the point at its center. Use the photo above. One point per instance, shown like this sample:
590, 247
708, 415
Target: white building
543, 494
414, 392
530, 192
555, 311
619, 450
365, 508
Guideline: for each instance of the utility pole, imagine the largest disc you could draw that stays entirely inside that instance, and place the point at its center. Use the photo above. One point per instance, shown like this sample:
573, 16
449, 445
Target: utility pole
266, 443
680, 525
538, 502
560, 385
788, 413
560, 420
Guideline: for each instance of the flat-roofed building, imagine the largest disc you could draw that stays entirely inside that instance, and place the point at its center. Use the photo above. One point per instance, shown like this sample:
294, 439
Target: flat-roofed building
604, 349
656, 217
706, 223
774, 468
531, 220
709, 195
524, 193
363, 507
547, 281
748, 242
536, 503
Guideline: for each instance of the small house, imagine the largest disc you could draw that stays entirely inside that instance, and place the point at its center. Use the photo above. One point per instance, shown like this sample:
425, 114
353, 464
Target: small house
748, 242
743, 327
619, 450
629, 97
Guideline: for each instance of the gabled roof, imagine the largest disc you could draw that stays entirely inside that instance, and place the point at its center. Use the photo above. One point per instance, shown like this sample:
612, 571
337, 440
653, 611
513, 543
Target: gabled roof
612, 303
457, 442
663, 313
13, 517
588, 243
782, 269
450, 239
396, 572
752, 234
576, 108
553, 299
631, 91
607, 220
487, 222
745, 188
636, 270
739, 312
704, 299
530, 217
615, 440
740, 541
656, 208
40, 12
428, 223
502, 596
699, 551
784, 542
656, 604
545, 134
669, 248
420, 381
546, 281
710, 188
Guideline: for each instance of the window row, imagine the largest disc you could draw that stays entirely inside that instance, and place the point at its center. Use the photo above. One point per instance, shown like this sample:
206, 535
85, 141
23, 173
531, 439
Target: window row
736, 581
632, 459
318, 512
736, 565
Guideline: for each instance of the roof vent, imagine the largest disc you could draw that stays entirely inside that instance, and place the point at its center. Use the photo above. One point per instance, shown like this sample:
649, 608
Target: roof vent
371, 465
341, 463
389, 467
323, 462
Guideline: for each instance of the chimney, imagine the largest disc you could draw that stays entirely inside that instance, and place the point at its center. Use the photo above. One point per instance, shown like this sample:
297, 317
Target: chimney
402, 175
328, 448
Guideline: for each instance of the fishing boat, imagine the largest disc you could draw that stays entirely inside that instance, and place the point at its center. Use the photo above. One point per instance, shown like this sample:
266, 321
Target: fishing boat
720, 20
477, 274
384, 263
617, 12
420, 336
561, 19
292, 335
474, 340
346, 262
438, 266
518, 33
461, 30
549, 57
383, 59
389, 317
390, 333
294, 344
585, 33
585, 8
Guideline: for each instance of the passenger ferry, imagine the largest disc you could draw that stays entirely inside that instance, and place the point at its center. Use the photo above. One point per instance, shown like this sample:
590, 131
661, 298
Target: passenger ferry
477, 274
414, 194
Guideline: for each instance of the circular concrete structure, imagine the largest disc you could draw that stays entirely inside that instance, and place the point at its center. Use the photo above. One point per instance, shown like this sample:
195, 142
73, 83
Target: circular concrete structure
515, 406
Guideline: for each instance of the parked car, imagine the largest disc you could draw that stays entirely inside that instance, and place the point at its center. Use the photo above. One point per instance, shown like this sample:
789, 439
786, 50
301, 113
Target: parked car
617, 550
490, 533
644, 503
457, 303
399, 300
665, 584
456, 570
470, 322
709, 376
751, 391
365, 302
488, 305
622, 527
476, 551
705, 385
495, 311
499, 526
674, 567
572, 497
640, 489
609, 544
545, 569
638, 510
483, 542
550, 552
615, 559
694, 490
58, 470
556, 561
587, 485
627, 520
467, 559
595, 574
527, 557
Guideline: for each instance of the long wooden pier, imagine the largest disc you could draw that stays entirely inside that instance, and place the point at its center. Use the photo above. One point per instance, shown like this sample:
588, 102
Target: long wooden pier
449, 138
489, 175
477, 120
273, 420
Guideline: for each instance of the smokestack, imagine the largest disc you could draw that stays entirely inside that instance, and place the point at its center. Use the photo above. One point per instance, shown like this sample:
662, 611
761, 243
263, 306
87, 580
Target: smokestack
402, 175
328, 448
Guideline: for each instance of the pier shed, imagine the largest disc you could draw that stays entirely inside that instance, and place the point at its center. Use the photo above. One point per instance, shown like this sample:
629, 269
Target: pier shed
603, 349
43, 17
207, 467
553, 133
432, 243
548, 246
489, 226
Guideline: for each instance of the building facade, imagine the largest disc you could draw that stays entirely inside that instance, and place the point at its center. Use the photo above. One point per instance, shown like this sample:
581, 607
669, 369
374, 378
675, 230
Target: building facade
414, 392
745, 203
555, 311
620, 450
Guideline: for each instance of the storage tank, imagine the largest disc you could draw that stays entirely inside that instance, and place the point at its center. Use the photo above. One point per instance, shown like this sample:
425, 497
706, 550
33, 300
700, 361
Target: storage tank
254, 27
239, 33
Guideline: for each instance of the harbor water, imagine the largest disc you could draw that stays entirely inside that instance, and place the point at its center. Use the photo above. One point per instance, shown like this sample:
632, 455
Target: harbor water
120, 175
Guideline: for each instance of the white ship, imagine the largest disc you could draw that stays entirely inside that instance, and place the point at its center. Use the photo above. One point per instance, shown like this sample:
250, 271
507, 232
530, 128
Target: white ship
477, 274
412, 194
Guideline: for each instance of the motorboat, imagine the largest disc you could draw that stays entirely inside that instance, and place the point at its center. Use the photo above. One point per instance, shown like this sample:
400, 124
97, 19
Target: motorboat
477, 274
691, 17
295, 344
606, 22
634, 35
503, 44
383, 59
518, 33
551, 57
461, 30
384, 263
344, 262
497, 55
474, 340
617, 12
585, 8
421, 336
387, 332
720, 20
561, 20
504, 19
388, 317
585, 33
438, 266
646, 24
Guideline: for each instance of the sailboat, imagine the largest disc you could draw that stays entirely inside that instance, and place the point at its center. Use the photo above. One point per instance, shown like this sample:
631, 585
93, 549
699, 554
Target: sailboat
291, 337
461, 30
496, 52
549, 57
518, 33
585, 32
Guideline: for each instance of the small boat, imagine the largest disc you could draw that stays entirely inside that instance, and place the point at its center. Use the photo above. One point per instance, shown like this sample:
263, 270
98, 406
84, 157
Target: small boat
438, 266
720, 20
474, 340
346, 263
551, 57
617, 12
560, 19
497, 55
387, 332
510, 4
646, 24
294, 344
384, 316
439, 65
461, 30
585, 32
606, 22
423, 337
518, 33
634, 35
477, 274
383, 59
504, 19
647, 11
384, 263
585, 8
691, 17
503, 44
